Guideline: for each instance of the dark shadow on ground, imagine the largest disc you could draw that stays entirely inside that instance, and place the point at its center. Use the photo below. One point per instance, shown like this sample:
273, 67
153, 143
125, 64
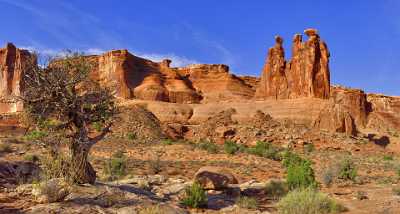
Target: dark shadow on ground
382, 141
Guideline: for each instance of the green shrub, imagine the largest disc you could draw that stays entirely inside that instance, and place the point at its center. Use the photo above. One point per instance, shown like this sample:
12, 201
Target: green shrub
98, 126
266, 150
195, 196
290, 158
167, 142
210, 147
387, 157
5, 148
115, 167
55, 167
300, 175
35, 135
131, 136
276, 189
230, 147
247, 203
347, 169
31, 158
308, 201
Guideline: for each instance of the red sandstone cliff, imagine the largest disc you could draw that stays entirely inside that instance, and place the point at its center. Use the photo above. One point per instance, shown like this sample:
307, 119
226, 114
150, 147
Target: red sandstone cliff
12, 65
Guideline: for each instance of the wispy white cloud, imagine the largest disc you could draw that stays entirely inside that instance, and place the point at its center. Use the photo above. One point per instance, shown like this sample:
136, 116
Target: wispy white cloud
177, 61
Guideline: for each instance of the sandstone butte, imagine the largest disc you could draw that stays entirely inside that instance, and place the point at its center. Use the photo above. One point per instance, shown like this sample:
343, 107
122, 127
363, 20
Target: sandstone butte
298, 89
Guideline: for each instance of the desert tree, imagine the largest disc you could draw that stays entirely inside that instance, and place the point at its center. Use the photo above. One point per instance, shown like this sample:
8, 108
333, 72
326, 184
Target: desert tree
62, 104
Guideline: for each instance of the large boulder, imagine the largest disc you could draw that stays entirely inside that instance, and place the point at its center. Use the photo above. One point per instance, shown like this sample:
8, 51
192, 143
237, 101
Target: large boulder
214, 178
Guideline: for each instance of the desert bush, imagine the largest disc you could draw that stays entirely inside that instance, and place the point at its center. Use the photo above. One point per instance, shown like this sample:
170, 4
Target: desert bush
55, 167
209, 146
347, 169
167, 142
328, 176
387, 157
31, 157
131, 136
54, 190
35, 135
156, 163
247, 203
155, 209
276, 189
264, 149
308, 201
300, 175
396, 190
290, 158
115, 167
5, 148
230, 147
195, 196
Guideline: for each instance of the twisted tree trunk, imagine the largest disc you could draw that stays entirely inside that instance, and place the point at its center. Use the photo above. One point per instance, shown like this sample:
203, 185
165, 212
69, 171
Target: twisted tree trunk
81, 170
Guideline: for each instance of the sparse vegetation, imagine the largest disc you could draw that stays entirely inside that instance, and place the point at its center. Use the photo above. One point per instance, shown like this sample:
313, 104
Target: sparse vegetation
300, 175
155, 209
35, 135
276, 189
115, 167
155, 164
396, 190
387, 157
167, 142
195, 196
131, 136
54, 190
55, 167
247, 203
31, 157
230, 147
5, 148
208, 146
328, 176
309, 201
347, 169
264, 149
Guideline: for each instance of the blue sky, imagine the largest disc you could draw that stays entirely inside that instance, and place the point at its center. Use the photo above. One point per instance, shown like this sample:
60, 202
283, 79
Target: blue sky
363, 35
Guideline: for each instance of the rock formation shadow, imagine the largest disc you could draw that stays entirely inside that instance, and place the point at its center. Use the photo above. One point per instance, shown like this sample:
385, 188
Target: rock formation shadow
382, 141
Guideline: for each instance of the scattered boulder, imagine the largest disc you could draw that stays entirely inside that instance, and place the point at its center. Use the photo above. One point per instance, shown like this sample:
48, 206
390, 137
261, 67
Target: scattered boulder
214, 178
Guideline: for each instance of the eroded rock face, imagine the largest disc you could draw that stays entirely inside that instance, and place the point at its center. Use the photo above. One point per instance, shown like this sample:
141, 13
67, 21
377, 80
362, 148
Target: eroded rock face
215, 83
305, 75
384, 113
13, 62
135, 77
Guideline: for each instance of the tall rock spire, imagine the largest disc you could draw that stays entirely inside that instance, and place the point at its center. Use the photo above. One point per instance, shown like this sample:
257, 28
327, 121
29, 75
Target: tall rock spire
305, 75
